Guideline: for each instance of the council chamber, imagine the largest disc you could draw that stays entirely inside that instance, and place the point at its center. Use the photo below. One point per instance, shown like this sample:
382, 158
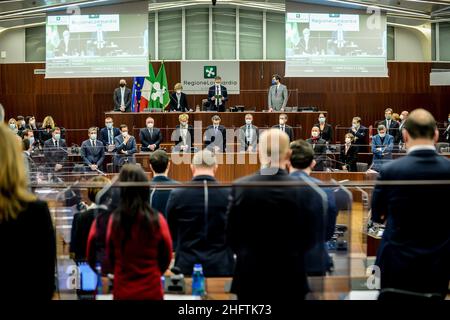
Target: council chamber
225, 150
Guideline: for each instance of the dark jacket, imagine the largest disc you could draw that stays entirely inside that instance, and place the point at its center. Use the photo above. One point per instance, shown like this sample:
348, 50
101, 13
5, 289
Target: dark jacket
350, 158
117, 98
130, 147
360, 137
177, 138
158, 198
95, 222
414, 254
92, 155
264, 225
212, 103
327, 132
148, 139
320, 150
173, 106
393, 129
288, 129
104, 135
55, 155
28, 253
198, 222
213, 139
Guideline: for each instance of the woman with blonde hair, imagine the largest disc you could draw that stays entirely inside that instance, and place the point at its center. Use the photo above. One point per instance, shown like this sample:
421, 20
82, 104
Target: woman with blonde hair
12, 123
46, 129
178, 100
27, 238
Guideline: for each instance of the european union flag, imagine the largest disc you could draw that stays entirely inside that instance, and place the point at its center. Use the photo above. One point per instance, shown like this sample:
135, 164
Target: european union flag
136, 94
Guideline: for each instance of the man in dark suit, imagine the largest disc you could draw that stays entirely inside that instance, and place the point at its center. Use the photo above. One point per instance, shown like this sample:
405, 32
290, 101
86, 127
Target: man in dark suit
319, 146
446, 133
269, 224
55, 151
150, 136
122, 97
284, 127
414, 254
178, 100
215, 136
391, 125
248, 135
217, 96
93, 151
183, 135
125, 148
159, 164
359, 132
108, 134
197, 218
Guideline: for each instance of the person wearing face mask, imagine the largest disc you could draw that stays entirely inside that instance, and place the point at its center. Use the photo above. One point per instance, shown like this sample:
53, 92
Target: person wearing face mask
29, 134
326, 130
125, 148
108, 134
446, 133
217, 96
122, 97
391, 125
403, 117
278, 95
359, 133
55, 151
30, 165
30, 124
349, 154
178, 100
319, 146
12, 123
282, 120
20, 121
248, 135
215, 136
183, 136
93, 151
150, 136
382, 145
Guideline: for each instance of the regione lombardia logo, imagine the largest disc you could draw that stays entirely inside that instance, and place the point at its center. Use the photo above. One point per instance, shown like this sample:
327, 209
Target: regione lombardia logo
209, 72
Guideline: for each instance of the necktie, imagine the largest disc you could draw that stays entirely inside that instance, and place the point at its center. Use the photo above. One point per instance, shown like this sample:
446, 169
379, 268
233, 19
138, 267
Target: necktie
151, 133
282, 128
388, 124
215, 130
110, 136
276, 90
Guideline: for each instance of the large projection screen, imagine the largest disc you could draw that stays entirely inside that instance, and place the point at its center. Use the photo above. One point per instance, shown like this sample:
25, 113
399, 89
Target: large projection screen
334, 42
107, 41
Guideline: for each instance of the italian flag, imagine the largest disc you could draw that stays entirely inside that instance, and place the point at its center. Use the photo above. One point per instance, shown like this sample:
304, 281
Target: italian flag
147, 88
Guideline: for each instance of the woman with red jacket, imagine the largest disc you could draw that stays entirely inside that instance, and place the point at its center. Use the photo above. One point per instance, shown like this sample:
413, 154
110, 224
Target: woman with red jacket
138, 241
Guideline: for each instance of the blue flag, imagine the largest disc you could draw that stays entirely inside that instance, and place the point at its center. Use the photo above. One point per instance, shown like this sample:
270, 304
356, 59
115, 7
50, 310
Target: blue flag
136, 94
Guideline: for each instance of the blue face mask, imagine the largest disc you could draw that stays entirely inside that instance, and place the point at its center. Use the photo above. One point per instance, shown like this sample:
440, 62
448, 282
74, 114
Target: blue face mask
31, 140
109, 125
274, 82
448, 119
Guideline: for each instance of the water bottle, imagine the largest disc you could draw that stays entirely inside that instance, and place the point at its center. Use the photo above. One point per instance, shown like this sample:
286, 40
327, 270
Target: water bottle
198, 281
98, 269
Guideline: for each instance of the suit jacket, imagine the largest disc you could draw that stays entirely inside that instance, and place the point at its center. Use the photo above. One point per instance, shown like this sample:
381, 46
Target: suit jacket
327, 132
288, 129
360, 136
414, 253
394, 130
55, 155
386, 146
184, 107
199, 225
273, 238
446, 134
130, 147
91, 154
278, 98
148, 139
212, 103
311, 48
158, 198
30, 238
117, 97
178, 139
218, 139
317, 258
320, 150
350, 158
104, 135
243, 139
71, 49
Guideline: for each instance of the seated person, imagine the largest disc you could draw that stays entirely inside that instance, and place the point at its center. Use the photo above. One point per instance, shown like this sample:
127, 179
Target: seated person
319, 146
30, 165
349, 154
55, 151
150, 136
108, 134
178, 100
29, 134
198, 220
248, 135
382, 145
284, 127
215, 136
326, 130
125, 148
183, 135
93, 151
302, 163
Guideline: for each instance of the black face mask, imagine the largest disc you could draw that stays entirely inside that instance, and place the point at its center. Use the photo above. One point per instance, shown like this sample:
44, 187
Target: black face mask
122, 85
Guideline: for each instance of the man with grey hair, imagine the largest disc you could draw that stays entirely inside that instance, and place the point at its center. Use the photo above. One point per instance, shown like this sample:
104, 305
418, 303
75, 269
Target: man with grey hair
382, 145
2, 113
197, 219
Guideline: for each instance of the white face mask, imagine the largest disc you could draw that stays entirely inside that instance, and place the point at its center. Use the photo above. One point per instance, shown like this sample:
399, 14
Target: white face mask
93, 136
348, 140
382, 135
124, 134
217, 83
322, 120
150, 125
315, 134
281, 121
247, 121
184, 124
178, 91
